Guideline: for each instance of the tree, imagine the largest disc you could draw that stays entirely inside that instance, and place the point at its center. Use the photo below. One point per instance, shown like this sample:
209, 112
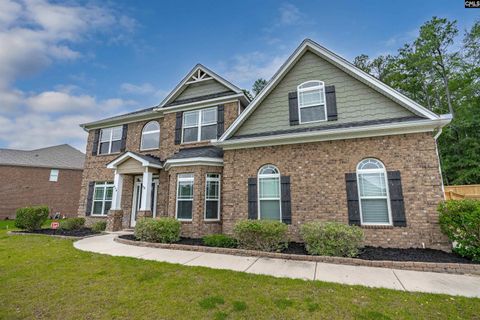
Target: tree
362, 62
258, 85
248, 94
434, 42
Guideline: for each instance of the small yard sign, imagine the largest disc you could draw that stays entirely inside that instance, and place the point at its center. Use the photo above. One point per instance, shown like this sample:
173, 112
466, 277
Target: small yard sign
54, 225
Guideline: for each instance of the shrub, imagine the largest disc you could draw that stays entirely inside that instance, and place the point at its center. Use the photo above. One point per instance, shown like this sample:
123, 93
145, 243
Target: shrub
331, 239
165, 230
99, 226
72, 223
265, 235
219, 240
460, 221
31, 218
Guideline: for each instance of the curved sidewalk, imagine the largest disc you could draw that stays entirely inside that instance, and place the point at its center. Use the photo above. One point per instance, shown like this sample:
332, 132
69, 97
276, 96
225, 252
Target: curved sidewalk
462, 285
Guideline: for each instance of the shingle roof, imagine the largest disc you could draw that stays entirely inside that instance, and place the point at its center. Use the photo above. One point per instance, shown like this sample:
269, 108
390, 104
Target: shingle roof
198, 152
329, 127
62, 156
149, 158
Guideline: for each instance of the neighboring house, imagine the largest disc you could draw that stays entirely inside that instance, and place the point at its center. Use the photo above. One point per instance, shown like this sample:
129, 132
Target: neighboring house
49, 176
322, 141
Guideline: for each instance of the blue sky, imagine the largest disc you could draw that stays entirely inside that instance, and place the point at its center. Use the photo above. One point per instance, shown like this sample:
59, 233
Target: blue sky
65, 63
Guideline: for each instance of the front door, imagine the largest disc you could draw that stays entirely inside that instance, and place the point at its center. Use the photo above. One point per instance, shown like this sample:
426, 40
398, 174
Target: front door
137, 198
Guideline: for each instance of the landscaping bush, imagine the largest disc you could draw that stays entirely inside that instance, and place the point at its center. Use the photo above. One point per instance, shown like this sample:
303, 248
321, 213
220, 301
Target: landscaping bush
219, 240
460, 221
331, 239
265, 235
72, 224
31, 218
164, 230
99, 226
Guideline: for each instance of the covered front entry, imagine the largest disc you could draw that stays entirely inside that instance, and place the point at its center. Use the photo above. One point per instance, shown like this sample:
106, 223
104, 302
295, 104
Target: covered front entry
144, 169
137, 197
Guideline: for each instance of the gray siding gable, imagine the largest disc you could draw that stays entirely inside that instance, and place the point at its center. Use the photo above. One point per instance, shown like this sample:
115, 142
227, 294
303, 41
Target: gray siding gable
203, 88
355, 100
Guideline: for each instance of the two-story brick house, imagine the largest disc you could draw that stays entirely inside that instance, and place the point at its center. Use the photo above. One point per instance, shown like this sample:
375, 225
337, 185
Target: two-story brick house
322, 141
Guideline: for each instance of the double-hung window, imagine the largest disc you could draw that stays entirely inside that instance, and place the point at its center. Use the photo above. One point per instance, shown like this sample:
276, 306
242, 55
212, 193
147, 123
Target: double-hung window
212, 197
102, 198
184, 196
269, 199
110, 140
311, 101
200, 125
53, 175
373, 193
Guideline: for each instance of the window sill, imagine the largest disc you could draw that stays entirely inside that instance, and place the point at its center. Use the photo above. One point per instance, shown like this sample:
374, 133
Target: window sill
185, 221
309, 122
108, 154
151, 149
212, 221
379, 226
202, 142
97, 216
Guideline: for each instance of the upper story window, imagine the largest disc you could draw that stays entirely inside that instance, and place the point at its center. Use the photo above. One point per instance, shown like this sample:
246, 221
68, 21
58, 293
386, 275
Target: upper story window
311, 101
200, 125
110, 140
373, 193
150, 136
53, 175
269, 199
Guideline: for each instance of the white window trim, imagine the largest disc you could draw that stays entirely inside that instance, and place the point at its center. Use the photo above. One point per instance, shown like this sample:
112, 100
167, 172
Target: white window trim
110, 140
199, 124
260, 176
105, 185
150, 132
387, 196
219, 196
187, 179
55, 176
320, 86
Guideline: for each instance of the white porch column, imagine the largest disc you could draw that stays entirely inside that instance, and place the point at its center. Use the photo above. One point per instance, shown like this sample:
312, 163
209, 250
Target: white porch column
146, 190
117, 191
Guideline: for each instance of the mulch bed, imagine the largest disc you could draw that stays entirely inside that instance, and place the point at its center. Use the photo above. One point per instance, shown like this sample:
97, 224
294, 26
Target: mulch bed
69, 233
367, 253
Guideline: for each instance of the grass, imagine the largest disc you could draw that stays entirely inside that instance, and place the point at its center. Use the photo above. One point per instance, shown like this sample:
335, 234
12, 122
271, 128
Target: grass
46, 278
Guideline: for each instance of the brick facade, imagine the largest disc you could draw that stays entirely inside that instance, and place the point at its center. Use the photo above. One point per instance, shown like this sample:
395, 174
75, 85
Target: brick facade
317, 173
96, 170
29, 186
318, 192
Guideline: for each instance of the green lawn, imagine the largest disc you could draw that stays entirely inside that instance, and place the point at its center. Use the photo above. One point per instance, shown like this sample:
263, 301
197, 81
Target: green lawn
46, 278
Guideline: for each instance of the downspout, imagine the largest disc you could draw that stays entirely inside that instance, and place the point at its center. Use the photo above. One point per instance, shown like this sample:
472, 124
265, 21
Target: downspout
438, 158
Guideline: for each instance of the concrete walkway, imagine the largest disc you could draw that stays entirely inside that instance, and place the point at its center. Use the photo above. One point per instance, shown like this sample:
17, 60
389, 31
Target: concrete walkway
431, 282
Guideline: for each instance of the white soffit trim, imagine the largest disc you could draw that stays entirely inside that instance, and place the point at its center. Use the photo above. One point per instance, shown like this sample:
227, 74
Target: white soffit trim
128, 155
198, 161
337, 134
338, 61
184, 81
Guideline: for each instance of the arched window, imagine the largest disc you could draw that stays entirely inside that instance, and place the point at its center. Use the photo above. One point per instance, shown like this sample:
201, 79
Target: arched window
373, 193
150, 136
269, 199
312, 106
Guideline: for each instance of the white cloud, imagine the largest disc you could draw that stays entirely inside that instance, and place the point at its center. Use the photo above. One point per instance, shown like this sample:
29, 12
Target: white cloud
144, 89
33, 35
289, 15
244, 69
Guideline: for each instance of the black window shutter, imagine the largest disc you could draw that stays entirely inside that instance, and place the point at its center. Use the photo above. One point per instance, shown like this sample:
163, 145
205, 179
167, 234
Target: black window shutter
293, 108
91, 188
124, 138
352, 199
286, 200
220, 121
331, 103
178, 128
96, 138
252, 199
396, 199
